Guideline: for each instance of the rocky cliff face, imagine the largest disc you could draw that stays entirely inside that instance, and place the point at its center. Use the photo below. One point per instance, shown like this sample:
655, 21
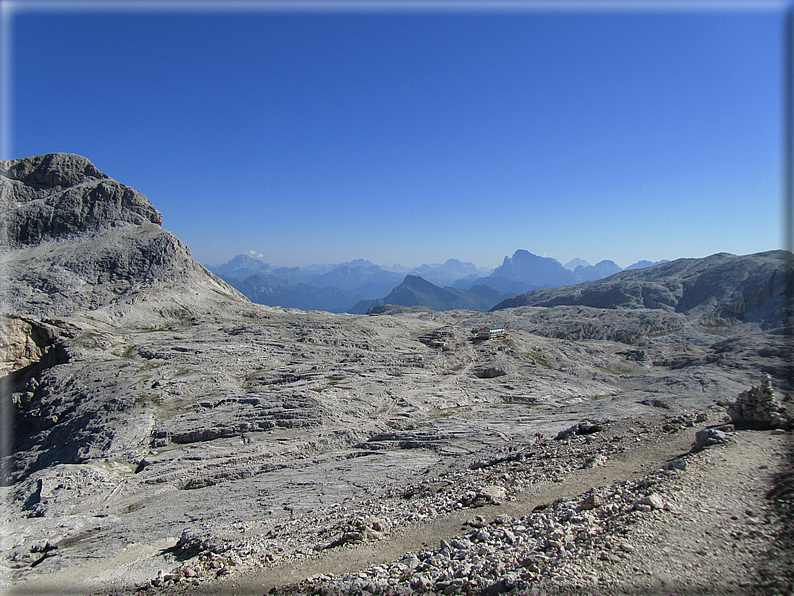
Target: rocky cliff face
75, 240
57, 196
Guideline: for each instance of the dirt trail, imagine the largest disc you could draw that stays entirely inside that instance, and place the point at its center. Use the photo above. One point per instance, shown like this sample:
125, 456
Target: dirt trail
632, 464
696, 541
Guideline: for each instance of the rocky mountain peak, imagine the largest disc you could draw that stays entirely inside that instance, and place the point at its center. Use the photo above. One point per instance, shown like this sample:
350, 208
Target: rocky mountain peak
414, 281
53, 169
75, 240
60, 195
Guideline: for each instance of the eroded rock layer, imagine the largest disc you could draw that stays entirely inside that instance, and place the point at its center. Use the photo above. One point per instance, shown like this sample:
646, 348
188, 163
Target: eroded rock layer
170, 433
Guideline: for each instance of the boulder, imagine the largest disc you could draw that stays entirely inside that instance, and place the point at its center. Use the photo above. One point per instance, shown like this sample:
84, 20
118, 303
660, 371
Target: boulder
713, 436
585, 427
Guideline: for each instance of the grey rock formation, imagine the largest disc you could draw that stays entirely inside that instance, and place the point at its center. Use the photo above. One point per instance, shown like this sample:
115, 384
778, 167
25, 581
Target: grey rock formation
168, 431
749, 288
77, 240
52, 197
758, 408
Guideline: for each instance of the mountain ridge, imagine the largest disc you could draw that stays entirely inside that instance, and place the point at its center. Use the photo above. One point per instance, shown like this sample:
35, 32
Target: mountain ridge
269, 290
749, 287
364, 281
73, 233
417, 291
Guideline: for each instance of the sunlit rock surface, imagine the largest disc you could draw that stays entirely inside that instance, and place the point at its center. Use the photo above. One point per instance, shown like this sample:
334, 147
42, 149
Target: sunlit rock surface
157, 412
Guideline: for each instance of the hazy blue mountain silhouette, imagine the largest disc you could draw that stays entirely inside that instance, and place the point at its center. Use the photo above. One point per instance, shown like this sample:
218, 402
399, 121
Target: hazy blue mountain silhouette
448, 273
597, 271
643, 264
415, 291
267, 289
240, 267
361, 280
525, 271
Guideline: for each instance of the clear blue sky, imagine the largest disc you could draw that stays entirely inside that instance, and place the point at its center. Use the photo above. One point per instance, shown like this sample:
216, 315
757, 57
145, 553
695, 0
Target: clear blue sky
414, 137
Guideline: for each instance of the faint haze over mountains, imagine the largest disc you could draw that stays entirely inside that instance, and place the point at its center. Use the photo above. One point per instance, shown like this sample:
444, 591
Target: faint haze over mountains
411, 136
357, 286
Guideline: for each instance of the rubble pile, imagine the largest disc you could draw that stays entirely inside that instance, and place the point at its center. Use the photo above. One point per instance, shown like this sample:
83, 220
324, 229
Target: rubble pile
759, 409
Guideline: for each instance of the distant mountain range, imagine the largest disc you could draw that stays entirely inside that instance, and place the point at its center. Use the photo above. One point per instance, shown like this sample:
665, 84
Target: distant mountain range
416, 291
262, 288
749, 288
524, 272
358, 285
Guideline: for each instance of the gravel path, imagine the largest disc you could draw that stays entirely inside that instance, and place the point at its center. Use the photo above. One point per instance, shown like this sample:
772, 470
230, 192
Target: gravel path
627, 525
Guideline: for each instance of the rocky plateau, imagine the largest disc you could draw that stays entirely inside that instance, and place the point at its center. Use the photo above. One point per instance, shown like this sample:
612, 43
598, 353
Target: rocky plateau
162, 434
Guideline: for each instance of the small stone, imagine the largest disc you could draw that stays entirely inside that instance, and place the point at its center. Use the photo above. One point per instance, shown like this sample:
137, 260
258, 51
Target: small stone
352, 537
591, 502
676, 464
594, 462
493, 494
710, 436
605, 556
653, 500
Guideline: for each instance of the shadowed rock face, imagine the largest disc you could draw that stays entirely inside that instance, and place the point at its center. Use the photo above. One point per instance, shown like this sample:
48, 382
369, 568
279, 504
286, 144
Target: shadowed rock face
60, 195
